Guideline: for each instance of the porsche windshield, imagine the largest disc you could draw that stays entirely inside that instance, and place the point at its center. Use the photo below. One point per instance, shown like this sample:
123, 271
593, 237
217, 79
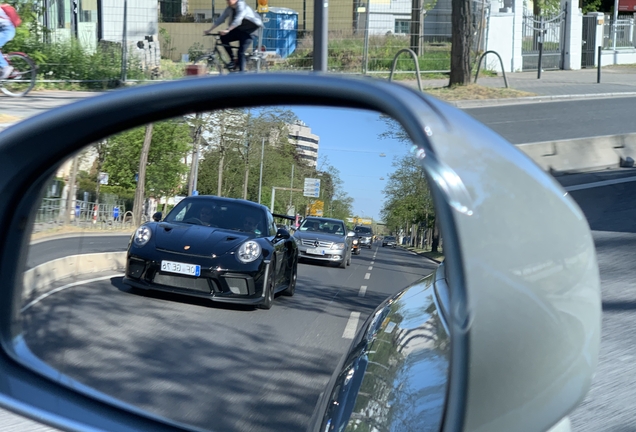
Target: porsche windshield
323, 225
219, 214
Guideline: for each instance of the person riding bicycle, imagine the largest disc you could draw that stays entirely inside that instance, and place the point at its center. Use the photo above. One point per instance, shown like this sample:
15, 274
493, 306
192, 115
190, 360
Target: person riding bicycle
244, 26
7, 33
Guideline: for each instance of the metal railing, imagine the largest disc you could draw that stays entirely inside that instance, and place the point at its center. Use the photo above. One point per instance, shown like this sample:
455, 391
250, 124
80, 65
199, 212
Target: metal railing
619, 34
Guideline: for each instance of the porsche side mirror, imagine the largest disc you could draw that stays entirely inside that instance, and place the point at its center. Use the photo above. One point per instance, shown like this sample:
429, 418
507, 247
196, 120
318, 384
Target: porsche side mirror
282, 233
157, 217
504, 337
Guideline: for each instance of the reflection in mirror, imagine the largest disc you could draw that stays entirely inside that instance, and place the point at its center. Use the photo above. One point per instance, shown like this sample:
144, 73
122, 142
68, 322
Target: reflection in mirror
212, 269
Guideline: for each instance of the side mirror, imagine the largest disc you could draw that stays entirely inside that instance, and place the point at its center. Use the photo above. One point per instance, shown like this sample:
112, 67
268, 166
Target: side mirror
428, 358
282, 233
157, 216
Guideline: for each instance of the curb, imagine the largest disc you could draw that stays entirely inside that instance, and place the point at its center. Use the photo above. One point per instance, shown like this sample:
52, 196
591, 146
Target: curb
479, 103
422, 255
84, 234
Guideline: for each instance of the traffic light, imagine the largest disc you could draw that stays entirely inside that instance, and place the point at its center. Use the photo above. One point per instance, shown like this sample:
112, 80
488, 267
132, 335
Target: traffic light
263, 6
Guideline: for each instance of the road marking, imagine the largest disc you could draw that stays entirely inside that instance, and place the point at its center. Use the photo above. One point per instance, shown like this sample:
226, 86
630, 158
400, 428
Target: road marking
413, 253
372, 262
62, 288
370, 267
599, 184
363, 290
352, 326
367, 276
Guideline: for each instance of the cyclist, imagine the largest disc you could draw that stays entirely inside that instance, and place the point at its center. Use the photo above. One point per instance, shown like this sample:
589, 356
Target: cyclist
7, 32
244, 26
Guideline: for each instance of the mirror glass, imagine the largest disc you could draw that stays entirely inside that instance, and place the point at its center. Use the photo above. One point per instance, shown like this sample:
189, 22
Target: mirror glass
124, 304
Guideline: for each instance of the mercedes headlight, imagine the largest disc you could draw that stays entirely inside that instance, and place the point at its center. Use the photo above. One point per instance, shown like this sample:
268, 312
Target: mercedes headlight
142, 235
248, 252
338, 246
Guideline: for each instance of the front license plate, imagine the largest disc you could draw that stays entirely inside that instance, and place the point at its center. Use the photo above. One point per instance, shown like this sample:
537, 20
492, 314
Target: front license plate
315, 251
181, 268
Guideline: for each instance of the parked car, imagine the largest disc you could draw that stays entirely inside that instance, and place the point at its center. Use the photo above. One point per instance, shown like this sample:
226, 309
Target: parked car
365, 235
389, 241
325, 239
222, 249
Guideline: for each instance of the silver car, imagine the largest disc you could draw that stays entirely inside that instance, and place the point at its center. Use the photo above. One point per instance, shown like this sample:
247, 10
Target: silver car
324, 239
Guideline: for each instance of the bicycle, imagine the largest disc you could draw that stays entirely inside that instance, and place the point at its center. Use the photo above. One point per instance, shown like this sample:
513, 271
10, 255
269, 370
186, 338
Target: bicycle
22, 79
216, 59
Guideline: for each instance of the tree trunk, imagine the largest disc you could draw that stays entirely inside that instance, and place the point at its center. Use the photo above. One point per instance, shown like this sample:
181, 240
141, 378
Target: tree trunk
194, 168
247, 175
435, 242
220, 178
461, 42
70, 198
140, 192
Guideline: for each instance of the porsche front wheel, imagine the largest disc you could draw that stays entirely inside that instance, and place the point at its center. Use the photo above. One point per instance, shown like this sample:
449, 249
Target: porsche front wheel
291, 288
269, 288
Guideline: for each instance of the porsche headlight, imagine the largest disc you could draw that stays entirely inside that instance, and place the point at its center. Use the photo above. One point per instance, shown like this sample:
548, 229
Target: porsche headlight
142, 235
338, 246
248, 252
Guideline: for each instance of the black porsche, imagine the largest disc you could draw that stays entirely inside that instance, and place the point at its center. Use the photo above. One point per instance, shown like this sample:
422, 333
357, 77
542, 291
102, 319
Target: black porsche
224, 249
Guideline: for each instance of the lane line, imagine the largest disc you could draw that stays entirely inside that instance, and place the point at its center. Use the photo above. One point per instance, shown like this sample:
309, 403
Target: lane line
352, 326
372, 262
599, 184
62, 288
363, 291
367, 276
370, 267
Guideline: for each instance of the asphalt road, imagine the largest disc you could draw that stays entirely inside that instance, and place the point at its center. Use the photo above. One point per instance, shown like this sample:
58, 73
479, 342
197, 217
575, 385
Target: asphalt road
44, 251
223, 367
611, 212
523, 123
529, 123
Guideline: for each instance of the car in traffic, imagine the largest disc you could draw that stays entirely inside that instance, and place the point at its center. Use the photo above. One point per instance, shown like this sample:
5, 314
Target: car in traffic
365, 235
223, 249
389, 241
324, 239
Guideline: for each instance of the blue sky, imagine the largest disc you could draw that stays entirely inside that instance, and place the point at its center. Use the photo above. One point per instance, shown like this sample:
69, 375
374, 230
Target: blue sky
349, 141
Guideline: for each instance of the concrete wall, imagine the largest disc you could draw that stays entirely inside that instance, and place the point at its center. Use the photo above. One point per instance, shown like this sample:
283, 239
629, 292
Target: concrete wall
583, 154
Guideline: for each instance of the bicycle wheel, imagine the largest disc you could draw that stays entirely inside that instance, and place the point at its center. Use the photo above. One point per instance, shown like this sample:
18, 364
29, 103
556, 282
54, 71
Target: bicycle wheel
22, 79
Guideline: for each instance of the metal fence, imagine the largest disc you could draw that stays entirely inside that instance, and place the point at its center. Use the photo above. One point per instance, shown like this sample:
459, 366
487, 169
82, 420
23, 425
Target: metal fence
619, 34
360, 39
52, 212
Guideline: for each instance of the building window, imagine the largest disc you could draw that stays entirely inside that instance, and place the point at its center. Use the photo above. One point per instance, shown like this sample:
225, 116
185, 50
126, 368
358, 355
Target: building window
302, 138
402, 26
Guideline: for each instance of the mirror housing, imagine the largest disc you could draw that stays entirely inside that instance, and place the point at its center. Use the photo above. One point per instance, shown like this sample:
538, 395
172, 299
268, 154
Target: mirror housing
282, 233
157, 217
351, 234
537, 309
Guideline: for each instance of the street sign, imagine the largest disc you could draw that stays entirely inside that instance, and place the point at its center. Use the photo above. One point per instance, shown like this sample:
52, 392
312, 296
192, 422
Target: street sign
103, 178
312, 188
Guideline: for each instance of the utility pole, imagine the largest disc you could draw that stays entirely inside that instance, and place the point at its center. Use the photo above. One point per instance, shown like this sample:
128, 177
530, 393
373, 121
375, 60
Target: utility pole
141, 180
321, 34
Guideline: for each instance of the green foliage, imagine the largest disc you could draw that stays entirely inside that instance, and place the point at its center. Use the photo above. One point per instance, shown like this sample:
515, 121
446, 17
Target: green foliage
170, 144
196, 51
233, 147
166, 43
346, 54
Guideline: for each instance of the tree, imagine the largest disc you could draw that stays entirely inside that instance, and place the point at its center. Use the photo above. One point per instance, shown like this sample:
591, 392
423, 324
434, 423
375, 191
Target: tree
165, 166
461, 39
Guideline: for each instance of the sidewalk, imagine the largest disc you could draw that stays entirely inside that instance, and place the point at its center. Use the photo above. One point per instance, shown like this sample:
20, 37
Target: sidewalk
554, 85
